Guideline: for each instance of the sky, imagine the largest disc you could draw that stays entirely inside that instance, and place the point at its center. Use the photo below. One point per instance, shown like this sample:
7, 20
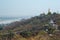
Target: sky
20, 8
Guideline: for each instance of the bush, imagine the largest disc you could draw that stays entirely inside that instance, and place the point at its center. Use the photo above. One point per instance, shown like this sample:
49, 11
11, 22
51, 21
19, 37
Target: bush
42, 32
50, 30
26, 33
1, 28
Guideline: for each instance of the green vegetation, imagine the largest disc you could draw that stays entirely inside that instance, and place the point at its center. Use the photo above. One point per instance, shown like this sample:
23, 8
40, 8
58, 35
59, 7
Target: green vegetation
42, 32
35, 28
26, 33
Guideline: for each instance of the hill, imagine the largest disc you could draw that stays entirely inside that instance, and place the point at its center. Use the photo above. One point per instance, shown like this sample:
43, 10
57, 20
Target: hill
37, 27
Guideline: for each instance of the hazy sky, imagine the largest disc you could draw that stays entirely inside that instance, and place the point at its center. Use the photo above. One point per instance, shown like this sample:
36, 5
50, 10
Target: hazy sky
27, 7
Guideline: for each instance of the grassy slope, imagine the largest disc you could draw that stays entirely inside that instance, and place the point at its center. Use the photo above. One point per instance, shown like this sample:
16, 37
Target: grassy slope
42, 35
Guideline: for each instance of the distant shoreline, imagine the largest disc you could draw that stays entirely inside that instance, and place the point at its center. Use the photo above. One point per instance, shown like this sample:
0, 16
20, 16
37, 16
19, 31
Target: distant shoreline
9, 21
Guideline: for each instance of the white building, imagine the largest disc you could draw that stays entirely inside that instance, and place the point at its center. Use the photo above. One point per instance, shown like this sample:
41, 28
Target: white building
53, 24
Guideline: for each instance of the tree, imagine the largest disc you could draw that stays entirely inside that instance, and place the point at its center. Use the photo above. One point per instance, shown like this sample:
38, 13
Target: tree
1, 28
42, 15
49, 12
54, 13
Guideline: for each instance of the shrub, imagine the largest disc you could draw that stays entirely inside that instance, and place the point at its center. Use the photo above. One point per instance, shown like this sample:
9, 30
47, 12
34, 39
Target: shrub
26, 33
42, 32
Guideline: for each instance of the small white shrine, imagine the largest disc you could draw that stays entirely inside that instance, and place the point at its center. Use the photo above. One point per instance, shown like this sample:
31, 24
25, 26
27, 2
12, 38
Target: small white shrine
53, 24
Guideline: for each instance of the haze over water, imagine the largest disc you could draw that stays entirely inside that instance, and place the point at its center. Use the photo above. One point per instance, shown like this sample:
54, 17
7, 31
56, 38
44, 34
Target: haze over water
4, 20
9, 21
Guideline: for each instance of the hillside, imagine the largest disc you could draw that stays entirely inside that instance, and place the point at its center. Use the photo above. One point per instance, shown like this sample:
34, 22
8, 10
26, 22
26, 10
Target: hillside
34, 28
33, 22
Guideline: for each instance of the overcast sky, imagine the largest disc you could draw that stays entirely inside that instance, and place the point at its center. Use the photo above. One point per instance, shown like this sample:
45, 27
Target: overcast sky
20, 8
